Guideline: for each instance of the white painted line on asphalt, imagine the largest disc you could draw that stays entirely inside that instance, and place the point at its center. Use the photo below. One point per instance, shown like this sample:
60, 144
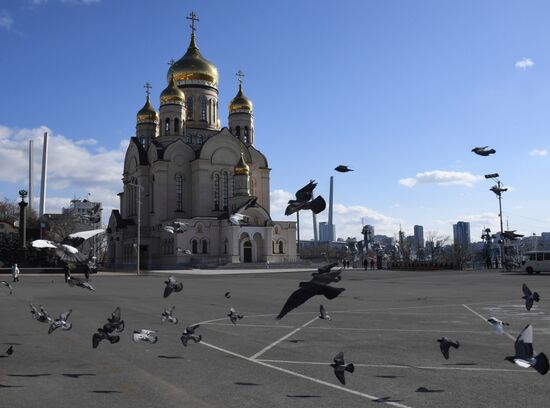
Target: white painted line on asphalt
485, 319
267, 348
398, 330
399, 366
305, 377
250, 325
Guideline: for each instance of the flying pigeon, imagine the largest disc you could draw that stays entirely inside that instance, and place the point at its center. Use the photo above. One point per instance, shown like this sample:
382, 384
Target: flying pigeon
306, 291
176, 227
145, 335
328, 277
511, 235
497, 324
238, 217
525, 355
7, 285
234, 316
340, 367
323, 313
343, 169
168, 315
40, 315
100, 335
115, 322
62, 322
172, 286
82, 283
482, 151
227, 295
67, 250
529, 297
189, 334
326, 268
498, 190
183, 251
9, 351
445, 344
305, 201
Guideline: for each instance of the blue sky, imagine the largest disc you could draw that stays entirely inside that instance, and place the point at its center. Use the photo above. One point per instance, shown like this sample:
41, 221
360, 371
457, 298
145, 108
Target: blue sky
394, 89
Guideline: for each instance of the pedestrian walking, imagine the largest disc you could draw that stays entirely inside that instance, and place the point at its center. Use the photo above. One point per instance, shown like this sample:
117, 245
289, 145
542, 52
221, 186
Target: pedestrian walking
67, 272
372, 264
15, 273
365, 263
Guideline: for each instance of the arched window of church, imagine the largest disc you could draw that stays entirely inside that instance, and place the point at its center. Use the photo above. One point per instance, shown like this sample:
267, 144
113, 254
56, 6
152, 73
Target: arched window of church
176, 125
194, 246
238, 131
189, 108
211, 110
179, 192
273, 247
153, 194
204, 246
252, 186
189, 138
200, 139
225, 191
246, 135
216, 192
203, 108
167, 126
281, 247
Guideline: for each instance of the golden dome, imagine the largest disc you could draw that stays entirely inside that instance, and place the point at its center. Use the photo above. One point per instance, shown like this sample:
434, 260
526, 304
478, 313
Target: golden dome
240, 102
172, 94
242, 167
147, 114
193, 66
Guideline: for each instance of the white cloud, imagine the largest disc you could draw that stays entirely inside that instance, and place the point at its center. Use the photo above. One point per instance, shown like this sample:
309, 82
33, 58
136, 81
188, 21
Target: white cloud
348, 219
524, 63
538, 152
86, 142
6, 21
441, 177
72, 168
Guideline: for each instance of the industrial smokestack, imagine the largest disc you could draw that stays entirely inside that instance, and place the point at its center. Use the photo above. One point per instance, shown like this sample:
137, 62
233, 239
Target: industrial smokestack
31, 172
44, 173
315, 235
330, 225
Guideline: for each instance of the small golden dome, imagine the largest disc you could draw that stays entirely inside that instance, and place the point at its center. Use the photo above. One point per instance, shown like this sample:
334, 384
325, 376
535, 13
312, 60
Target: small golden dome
147, 114
172, 94
240, 102
193, 66
242, 167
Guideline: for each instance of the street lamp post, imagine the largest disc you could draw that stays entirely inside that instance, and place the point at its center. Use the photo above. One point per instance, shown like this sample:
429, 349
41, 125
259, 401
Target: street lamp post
140, 189
498, 190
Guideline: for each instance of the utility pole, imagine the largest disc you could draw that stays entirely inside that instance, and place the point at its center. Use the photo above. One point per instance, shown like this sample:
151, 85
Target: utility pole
498, 190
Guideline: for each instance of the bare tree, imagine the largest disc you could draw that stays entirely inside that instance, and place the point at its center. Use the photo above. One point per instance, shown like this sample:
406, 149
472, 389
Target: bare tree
434, 244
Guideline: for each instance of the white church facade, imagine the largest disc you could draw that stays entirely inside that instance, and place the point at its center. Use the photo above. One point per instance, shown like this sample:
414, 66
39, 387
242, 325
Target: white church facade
183, 166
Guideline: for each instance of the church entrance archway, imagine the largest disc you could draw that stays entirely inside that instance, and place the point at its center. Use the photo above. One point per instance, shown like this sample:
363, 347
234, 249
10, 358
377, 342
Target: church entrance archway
247, 252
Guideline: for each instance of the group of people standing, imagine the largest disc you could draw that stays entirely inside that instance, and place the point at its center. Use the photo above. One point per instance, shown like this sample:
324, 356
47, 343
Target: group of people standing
366, 263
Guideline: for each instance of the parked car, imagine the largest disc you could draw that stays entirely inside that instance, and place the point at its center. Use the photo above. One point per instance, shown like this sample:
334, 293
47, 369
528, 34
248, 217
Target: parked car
537, 262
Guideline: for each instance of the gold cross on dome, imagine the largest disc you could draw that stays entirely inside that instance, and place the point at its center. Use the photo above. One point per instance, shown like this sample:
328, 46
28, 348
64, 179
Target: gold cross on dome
193, 17
240, 76
147, 87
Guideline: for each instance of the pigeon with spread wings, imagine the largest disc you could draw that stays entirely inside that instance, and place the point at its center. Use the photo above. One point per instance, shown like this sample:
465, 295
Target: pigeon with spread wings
445, 344
483, 151
177, 227
7, 285
340, 367
67, 250
525, 354
306, 291
172, 286
62, 322
81, 283
189, 334
237, 217
529, 297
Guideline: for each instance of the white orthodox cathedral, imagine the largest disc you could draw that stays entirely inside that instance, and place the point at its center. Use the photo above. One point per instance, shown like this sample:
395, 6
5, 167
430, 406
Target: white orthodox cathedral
183, 166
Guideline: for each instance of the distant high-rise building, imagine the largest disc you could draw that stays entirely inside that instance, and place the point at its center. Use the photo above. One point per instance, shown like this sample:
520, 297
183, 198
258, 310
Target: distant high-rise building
325, 233
461, 234
419, 236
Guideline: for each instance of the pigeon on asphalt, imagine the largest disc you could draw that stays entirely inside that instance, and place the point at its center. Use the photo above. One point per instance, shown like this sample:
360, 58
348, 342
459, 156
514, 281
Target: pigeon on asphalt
525, 355
342, 168
9, 351
81, 283
176, 227
100, 335
529, 297
115, 322
62, 322
172, 286
189, 334
445, 344
323, 313
497, 324
340, 367
7, 285
168, 315
40, 315
234, 316
227, 295
483, 151
144, 335
306, 291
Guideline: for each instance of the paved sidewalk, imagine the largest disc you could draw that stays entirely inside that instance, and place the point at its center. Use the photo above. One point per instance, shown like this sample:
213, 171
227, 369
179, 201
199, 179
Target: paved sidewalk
209, 272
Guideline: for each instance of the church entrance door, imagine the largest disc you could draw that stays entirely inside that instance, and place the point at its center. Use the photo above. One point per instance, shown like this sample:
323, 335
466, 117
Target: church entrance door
247, 252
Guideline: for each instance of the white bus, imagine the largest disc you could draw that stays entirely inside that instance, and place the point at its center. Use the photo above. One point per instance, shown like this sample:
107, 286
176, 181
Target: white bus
537, 262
